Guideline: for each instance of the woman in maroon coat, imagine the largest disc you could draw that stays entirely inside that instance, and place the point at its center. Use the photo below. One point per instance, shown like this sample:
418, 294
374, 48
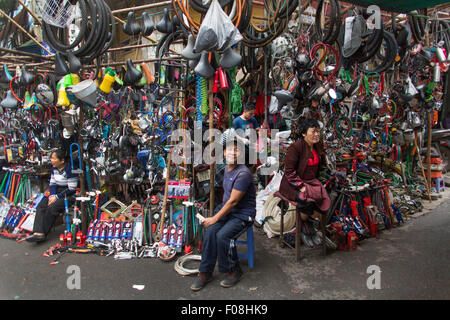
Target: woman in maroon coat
302, 164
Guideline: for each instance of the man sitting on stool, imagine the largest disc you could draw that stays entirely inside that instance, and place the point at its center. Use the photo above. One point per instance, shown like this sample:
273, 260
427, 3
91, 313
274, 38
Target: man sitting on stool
63, 184
235, 214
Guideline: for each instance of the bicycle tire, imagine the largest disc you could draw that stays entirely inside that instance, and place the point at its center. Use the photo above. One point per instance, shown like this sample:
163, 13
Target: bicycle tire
83, 26
253, 41
417, 28
95, 41
167, 39
390, 58
334, 29
198, 5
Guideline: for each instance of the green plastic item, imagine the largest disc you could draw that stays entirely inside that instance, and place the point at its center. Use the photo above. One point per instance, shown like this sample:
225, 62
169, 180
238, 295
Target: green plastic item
143, 80
67, 80
118, 80
110, 71
235, 94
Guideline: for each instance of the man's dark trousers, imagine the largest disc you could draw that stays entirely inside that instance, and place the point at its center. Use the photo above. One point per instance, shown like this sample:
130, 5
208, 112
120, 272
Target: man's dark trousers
46, 215
218, 245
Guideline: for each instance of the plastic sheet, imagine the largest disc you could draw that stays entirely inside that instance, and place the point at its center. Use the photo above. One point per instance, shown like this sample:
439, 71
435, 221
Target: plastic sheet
217, 32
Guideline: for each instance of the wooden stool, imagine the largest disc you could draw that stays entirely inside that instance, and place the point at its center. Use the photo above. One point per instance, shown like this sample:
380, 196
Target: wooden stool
298, 226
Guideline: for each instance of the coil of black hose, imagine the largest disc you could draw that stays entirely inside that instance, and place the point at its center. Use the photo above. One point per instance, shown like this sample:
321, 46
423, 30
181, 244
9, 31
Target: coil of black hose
369, 47
331, 34
96, 34
371, 42
389, 58
256, 39
198, 5
417, 27
248, 63
440, 30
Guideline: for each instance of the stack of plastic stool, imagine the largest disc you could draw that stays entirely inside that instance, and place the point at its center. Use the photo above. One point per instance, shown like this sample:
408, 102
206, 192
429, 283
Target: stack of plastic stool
439, 184
250, 243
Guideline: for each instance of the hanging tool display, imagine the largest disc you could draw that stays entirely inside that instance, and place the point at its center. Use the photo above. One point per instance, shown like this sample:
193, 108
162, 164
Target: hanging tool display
373, 91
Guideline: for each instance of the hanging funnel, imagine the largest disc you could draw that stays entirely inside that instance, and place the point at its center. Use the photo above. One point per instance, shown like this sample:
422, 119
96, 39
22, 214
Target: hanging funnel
85, 91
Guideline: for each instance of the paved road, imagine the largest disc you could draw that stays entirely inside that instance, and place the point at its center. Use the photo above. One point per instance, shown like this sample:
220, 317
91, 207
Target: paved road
413, 260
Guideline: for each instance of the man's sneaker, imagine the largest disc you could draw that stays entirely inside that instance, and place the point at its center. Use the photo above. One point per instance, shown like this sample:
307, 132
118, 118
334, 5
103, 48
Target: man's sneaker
35, 238
202, 279
232, 278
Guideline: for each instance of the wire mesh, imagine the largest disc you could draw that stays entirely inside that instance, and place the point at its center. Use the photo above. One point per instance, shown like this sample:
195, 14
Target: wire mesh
56, 12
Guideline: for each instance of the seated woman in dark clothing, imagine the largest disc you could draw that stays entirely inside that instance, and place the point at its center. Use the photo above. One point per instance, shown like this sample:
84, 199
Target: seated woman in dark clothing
302, 164
63, 185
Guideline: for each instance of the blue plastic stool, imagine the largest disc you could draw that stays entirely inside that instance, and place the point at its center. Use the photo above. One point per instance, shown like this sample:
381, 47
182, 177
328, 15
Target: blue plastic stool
439, 183
250, 242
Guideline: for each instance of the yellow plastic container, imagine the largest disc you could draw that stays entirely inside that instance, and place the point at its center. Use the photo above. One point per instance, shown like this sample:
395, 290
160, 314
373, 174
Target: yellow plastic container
107, 82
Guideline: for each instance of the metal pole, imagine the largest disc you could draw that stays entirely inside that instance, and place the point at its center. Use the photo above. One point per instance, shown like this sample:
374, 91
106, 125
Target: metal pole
137, 61
147, 6
421, 165
265, 100
84, 225
212, 167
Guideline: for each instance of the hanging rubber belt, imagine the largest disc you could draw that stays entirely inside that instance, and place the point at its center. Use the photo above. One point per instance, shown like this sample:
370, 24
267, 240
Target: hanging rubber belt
386, 139
409, 160
396, 153
367, 85
345, 76
340, 133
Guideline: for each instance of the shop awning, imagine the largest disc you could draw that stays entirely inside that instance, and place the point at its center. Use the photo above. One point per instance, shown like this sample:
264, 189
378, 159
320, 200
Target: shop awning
399, 5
